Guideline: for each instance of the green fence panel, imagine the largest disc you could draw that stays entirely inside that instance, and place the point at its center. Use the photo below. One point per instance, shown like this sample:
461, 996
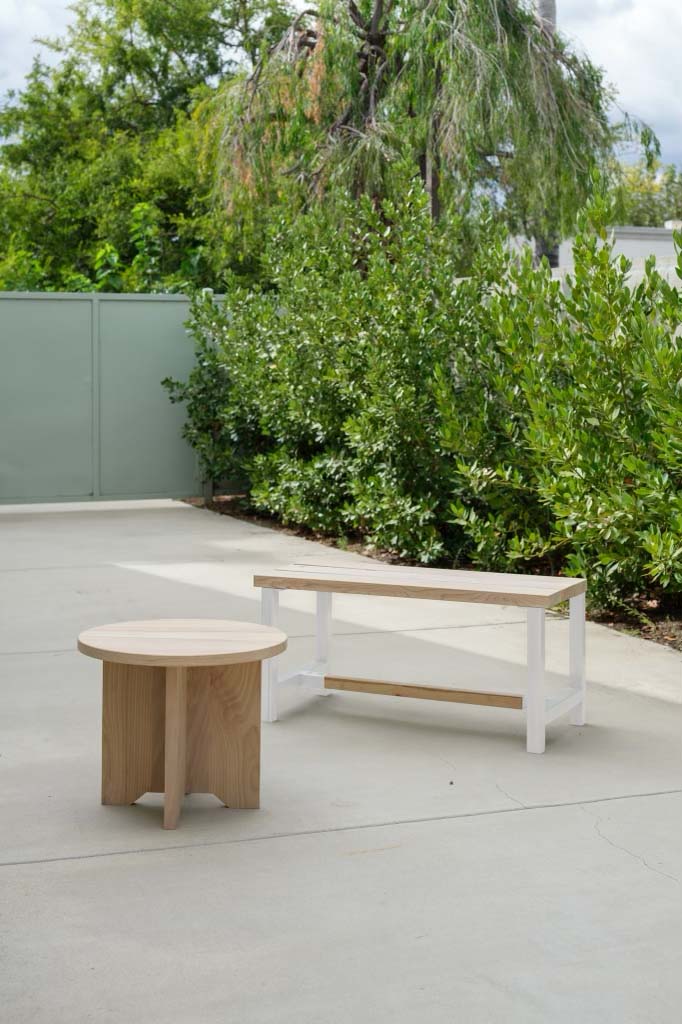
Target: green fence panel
141, 342
82, 411
46, 399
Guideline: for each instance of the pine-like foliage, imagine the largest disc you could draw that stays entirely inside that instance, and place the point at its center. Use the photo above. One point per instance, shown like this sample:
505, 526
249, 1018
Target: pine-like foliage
473, 96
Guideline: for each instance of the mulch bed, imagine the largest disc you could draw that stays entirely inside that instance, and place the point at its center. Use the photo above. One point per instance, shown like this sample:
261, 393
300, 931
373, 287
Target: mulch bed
645, 618
648, 621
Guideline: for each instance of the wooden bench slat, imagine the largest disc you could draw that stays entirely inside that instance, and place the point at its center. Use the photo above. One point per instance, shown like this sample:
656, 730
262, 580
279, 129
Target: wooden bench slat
417, 570
428, 584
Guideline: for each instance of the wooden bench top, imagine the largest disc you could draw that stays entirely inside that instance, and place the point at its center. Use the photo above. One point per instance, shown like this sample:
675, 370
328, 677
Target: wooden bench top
429, 584
190, 642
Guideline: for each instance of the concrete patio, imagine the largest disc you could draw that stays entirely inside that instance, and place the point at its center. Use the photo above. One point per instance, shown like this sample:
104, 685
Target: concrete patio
410, 862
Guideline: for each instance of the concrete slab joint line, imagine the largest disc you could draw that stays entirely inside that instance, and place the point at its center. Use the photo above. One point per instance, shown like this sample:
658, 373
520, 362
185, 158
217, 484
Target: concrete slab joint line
394, 823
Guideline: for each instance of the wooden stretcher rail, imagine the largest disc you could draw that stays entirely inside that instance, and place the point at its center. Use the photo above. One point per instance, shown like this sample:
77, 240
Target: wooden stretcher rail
497, 700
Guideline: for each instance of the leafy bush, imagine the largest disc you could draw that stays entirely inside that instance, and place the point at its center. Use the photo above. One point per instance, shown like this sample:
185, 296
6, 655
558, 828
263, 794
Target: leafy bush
507, 421
583, 467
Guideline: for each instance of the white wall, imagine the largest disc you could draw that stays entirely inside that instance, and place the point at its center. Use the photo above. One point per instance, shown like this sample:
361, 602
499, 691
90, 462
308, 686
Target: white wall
635, 243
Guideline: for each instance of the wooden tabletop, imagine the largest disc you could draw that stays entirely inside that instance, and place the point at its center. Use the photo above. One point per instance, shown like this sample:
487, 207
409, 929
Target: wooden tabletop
190, 642
430, 584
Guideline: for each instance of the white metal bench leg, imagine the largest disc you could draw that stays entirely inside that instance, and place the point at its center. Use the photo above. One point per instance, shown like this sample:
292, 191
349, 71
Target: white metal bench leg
269, 610
535, 696
576, 654
323, 623
313, 679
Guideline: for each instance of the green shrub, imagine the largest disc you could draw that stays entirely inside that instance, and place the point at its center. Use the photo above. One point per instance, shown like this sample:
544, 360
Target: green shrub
505, 421
582, 467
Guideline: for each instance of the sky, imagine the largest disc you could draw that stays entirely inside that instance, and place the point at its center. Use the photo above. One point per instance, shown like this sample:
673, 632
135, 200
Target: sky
637, 42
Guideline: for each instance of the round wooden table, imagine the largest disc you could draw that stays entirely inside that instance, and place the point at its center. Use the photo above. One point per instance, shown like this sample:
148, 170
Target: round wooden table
181, 708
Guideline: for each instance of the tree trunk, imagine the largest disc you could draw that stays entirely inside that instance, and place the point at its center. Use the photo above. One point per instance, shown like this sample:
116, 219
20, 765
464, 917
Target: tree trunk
546, 12
549, 249
433, 183
432, 164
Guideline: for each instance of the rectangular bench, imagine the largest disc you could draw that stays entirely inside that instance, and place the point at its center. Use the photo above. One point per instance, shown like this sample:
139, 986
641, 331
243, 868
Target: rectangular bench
534, 593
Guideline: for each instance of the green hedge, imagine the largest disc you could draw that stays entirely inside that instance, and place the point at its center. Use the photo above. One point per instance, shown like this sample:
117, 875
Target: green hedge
502, 421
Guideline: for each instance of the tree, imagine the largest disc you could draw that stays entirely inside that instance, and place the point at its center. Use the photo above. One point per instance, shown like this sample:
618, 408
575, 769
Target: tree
477, 99
648, 196
101, 180
144, 58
